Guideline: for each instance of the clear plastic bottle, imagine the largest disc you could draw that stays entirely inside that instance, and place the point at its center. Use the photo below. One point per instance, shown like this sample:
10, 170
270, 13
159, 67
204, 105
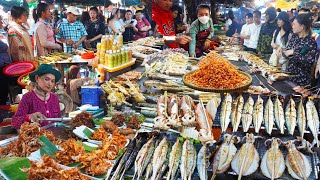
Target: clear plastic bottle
106, 59
127, 55
120, 39
110, 59
103, 43
130, 54
118, 58
102, 57
98, 48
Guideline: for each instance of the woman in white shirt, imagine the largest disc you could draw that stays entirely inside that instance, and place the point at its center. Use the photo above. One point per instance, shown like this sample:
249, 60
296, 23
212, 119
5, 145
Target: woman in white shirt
280, 39
115, 25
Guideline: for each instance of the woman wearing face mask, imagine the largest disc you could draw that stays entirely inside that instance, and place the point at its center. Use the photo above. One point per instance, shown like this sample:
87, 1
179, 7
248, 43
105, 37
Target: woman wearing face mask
301, 50
43, 33
201, 32
280, 39
39, 103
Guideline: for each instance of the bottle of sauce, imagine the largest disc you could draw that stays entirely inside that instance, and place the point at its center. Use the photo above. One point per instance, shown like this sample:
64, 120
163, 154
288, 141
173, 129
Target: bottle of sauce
98, 49
123, 56
127, 55
114, 47
106, 58
110, 59
102, 57
130, 54
120, 39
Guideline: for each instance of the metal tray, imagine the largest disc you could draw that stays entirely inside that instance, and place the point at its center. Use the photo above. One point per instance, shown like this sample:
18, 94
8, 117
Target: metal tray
60, 130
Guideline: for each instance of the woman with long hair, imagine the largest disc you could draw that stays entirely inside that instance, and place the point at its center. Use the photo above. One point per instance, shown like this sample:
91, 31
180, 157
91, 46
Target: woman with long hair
115, 25
301, 50
129, 25
280, 40
43, 33
95, 28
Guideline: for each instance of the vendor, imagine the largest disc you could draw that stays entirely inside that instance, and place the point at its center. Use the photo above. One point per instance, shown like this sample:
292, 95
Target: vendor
301, 50
39, 103
201, 32
163, 18
74, 83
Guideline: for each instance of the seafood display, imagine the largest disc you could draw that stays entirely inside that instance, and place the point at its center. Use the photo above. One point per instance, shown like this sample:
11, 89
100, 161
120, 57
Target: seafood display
236, 112
246, 161
202, 163
272, 163
291, 116
187, 111
258, 114
313, 120
225, 112
143, 158
174, 160
216, 73
247, 115
188, 160
301, 118
269, 116
279, 115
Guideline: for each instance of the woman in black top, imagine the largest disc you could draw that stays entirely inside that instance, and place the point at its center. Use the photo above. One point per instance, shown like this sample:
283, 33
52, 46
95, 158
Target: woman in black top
95, 28
129, 25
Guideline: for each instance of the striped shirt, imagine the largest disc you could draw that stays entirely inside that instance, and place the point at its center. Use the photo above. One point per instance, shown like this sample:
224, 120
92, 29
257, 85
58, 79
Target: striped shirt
74, 31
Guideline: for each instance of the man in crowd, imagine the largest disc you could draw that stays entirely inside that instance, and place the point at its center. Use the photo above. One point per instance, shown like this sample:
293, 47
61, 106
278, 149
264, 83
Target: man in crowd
245, 31
254, 31
72, 32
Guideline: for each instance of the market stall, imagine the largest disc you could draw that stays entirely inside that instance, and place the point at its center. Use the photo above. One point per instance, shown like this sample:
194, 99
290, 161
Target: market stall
225, 115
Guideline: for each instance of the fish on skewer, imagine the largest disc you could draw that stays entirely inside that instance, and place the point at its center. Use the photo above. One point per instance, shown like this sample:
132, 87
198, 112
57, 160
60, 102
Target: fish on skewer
173, 110
291, 116
225, 154
225, 112
162, 119
258, 114
246, 161
159, 157
174, 159
143, 158
302, 120
272, 163
279, 115
236, 112
204, 124
212, 106
247, 115
188, 160
268, 116
313, 120
187, 111
297, 163
202, 163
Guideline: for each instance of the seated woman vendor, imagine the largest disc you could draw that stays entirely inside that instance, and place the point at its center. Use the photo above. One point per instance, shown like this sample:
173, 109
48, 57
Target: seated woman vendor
201, 32
40, 103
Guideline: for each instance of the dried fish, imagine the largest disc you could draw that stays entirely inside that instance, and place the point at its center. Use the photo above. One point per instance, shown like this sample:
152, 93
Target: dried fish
187, 111
291, 116
174, 160
202, 163
173, 110
313, 120
246, 161
224, 155
236, 113
162, 119
212, 106
204, 124
159, 157
188, 160
297, 163
225, 112
247, 114
258, 114
268, 116
279, 115
302, 121
272, 163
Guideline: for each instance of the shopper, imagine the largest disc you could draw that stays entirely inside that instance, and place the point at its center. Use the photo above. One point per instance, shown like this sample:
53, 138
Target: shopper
40, 103
74, 83
176, 13
245, 31
4, 60
142, 27
266, 33
43, 33
129, 24
280, 39
72, 32
19, 40
301, 50
254, 31
95, 29
201, 32
162, 16
85, 17
56, 20
233, 25
115, 25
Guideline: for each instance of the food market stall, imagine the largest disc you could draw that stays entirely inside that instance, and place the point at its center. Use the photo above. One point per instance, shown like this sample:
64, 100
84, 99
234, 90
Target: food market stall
173, 117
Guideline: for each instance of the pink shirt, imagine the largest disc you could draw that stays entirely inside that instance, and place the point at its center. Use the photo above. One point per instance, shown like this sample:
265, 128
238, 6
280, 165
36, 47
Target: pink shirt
141, 34
31, 103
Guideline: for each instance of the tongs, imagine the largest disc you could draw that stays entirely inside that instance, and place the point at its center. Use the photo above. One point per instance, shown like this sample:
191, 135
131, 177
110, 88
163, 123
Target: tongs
57, 119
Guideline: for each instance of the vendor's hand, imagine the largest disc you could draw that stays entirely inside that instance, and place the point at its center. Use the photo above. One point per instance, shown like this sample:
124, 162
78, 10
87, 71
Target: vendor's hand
279, 51
274, 46
69, 42
36, 116
76, 45
184, 27
207, 43
183, 39
87, 43
236, 35
56, 31
288, 52
192, 55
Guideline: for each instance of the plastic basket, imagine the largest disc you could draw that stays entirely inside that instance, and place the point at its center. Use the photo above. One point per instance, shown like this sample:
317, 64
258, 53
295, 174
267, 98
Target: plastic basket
18, 68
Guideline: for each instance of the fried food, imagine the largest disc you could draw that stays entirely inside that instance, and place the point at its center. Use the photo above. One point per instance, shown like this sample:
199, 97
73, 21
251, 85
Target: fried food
128, 133
70, 153
100, 134
27, 141
133, 122
110, 127
83, 118
131, 75
94, 164
48, 169
118, 119
216, 72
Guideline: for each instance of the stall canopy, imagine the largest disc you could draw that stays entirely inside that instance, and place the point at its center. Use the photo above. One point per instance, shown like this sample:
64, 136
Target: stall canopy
130, 2
86, 2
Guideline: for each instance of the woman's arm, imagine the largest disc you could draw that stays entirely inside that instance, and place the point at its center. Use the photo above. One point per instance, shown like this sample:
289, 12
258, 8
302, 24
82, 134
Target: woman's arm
21, 115
41, 34
15, 46
305, 59
113, 27
192, 44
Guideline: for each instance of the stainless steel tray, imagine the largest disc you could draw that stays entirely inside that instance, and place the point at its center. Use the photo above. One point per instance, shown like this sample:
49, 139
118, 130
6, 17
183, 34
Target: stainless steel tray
60, 130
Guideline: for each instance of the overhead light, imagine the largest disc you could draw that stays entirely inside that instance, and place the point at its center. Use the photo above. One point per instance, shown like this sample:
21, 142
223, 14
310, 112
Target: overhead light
180, 4
56, 6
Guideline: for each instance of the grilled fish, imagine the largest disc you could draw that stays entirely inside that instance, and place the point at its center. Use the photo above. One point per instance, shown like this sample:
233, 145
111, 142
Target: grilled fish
313, 120
279, 115
302, 121
174, 159
188, 160
247, 114
225, 112
236, 113
268, 116
258, 114
291, 116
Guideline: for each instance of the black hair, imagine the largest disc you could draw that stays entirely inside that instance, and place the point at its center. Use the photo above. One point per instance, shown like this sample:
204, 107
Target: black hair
41, 8
139, 11
17, 11
94, 9
249, 15
128, 11
304, 9
287, 29
306, 20
85, 17
112, 16
203, 6
176, 8
257, 12
278, 10
231, 15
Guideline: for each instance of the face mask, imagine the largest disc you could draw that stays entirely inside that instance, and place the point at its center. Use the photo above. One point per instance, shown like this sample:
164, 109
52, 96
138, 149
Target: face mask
204, 19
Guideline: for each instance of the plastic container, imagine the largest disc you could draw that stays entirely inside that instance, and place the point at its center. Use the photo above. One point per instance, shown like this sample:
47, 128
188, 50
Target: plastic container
91, 95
